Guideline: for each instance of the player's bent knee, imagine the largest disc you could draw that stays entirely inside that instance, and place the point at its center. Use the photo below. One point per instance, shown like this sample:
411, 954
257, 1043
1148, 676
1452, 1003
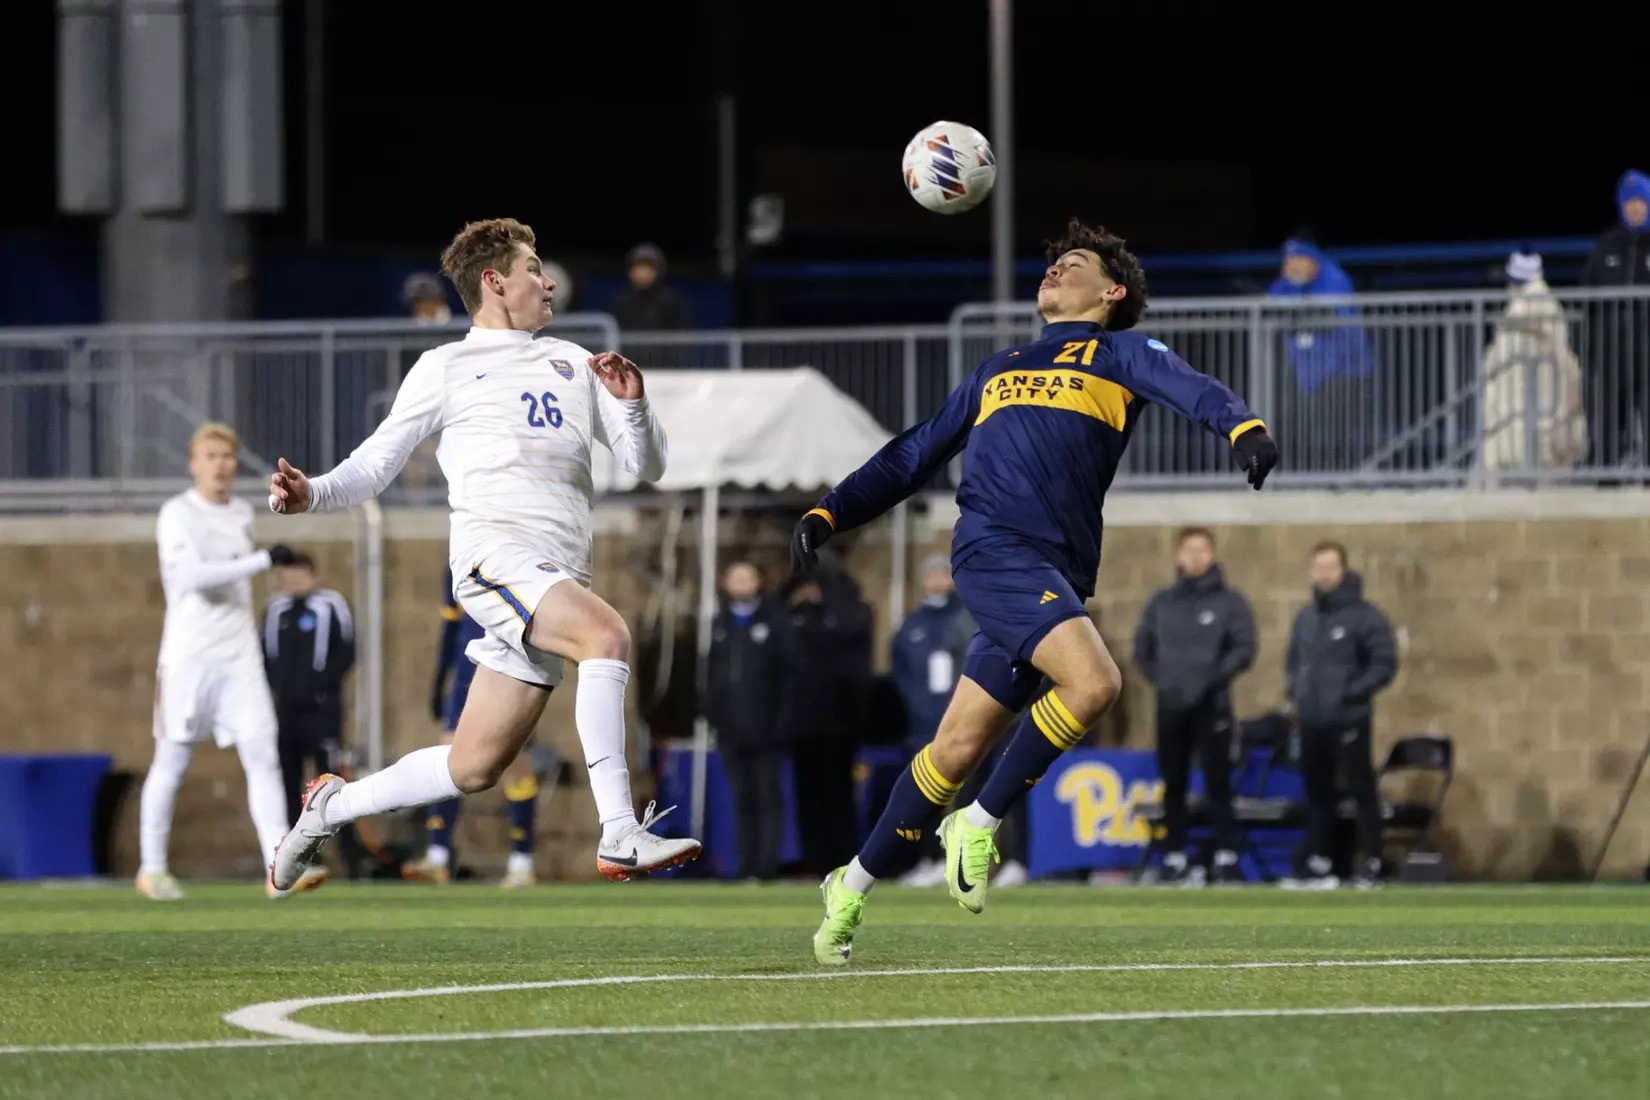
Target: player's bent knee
473, 777
1092, 695
611, 641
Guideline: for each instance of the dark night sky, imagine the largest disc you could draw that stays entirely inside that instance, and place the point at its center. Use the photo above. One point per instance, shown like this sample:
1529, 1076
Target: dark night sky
1183, 125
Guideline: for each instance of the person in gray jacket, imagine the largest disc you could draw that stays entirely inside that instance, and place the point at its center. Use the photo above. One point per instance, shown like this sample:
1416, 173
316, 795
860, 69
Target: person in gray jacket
1341, 652
1193, 638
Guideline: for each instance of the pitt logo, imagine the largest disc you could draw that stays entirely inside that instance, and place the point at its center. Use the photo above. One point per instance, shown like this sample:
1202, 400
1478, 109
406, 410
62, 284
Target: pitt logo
1072, 390
563, 367
1100, 812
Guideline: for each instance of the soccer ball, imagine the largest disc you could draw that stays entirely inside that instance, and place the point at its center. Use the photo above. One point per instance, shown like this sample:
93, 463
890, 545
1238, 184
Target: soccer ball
949, 167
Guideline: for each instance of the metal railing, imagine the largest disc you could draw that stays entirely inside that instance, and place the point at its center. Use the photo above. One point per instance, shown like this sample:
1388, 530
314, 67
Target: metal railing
1395, 389
1372, 390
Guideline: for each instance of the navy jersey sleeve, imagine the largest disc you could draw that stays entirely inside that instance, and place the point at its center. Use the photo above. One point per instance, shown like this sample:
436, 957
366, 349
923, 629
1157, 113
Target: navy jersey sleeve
1148, 368
906, 463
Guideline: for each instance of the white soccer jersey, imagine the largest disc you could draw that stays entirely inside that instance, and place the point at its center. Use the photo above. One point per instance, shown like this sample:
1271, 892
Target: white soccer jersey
518, 416
207, 561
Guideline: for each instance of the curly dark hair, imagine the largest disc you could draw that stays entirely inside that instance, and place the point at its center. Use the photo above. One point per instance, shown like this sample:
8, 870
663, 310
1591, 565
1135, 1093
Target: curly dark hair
1120, 264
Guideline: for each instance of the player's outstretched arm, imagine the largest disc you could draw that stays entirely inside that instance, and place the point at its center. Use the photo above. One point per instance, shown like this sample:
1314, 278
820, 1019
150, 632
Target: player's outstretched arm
368, 471
904, 464
1154, 372
625, 421
183, 570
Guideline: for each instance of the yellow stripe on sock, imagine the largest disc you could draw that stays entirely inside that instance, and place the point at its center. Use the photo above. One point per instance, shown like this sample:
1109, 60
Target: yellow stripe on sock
522, 789
922, 772
1067, 719
935, 787
1056, 722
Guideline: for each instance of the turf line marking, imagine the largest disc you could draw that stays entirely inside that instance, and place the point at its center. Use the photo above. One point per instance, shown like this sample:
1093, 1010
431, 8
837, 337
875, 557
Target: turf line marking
273, 1017
342, 1039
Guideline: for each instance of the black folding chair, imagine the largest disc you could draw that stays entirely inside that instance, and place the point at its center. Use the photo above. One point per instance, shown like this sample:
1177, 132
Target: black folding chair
1409, 820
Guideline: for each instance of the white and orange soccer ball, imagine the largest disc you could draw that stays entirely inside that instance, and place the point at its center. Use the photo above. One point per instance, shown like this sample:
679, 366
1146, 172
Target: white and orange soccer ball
949, 168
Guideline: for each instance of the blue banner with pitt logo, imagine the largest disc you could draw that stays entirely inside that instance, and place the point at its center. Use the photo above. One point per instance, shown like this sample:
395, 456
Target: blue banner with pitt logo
1081, 815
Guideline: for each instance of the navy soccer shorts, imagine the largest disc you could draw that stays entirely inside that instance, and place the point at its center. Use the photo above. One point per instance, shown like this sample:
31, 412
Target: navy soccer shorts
1016, 597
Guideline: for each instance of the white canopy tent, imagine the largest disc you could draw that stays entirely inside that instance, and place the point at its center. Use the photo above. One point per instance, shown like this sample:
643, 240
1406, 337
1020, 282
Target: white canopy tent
760, 429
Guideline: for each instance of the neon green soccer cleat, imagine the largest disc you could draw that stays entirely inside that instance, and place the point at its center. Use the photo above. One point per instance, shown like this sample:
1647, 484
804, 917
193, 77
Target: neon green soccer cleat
844, 909
969, 853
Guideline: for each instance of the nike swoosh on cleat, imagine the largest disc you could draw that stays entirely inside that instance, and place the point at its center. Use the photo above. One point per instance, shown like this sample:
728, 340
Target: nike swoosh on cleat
962, 883
622, 861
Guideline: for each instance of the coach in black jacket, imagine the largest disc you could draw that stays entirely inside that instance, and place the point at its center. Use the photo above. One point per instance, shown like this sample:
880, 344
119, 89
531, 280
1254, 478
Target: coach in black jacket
1341, 652
749, 685
1193, 638
309, 646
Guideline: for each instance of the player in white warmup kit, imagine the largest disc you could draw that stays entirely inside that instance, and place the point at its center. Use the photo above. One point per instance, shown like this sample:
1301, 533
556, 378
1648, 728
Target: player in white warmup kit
518, 417
210, 680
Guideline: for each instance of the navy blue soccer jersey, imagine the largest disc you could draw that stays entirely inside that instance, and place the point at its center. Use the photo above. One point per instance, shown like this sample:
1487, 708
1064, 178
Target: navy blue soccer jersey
1042, 428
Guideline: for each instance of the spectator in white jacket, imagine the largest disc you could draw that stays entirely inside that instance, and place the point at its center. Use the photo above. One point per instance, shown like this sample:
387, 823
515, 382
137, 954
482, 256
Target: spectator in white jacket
1530, 356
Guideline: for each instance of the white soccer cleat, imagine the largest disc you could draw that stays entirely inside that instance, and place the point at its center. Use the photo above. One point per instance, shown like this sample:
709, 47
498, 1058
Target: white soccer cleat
517, 880
298, 849
635, 851
158, 886
929, 872
1009, 875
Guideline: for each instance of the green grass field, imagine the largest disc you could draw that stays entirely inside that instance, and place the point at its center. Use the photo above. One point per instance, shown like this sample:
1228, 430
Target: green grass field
1054, 991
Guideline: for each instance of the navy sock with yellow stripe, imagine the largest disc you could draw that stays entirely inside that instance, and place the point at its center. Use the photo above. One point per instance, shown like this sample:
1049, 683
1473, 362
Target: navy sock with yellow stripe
521, 802
439, 819
915, 806
1033, 749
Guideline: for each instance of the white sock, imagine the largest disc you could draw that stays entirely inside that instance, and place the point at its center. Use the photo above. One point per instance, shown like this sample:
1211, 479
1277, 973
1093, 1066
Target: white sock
265, 795
857, 878
598, 712
976, 816
437, 856
160, 794
519, 862
416, 779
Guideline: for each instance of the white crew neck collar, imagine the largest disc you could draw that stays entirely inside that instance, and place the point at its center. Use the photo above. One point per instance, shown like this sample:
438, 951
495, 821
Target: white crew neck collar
499, 336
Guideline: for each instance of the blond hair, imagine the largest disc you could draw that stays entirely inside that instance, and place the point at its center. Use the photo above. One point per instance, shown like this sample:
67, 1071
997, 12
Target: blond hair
479, 246
215, 429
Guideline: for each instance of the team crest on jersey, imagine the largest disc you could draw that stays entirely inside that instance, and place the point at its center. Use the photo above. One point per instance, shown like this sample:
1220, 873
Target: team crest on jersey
564, 367
546, 567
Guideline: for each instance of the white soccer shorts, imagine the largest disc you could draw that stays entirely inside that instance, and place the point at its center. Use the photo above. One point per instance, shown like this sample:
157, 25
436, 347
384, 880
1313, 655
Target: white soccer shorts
501, 591
227, 701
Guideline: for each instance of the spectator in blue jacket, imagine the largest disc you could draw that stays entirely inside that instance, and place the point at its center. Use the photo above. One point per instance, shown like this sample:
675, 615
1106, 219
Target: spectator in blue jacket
928, 653
1328, 409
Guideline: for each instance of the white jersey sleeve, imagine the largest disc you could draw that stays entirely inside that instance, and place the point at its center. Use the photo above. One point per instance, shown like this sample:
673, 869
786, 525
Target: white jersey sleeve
181, 568
631, 431
417, 414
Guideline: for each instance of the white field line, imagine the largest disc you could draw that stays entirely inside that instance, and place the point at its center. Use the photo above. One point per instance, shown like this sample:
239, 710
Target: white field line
271, 1017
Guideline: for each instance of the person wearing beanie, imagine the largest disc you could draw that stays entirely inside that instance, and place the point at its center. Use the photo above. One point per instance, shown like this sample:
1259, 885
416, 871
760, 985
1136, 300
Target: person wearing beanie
1331, 362
648, 305
1618, 355
1530, 353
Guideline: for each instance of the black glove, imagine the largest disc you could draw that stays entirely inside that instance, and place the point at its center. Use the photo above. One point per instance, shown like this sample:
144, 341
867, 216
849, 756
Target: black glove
1256, 453
281, 554
812, 531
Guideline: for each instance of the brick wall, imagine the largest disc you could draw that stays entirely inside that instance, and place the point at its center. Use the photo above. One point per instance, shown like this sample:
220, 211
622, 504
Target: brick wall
1522, 619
